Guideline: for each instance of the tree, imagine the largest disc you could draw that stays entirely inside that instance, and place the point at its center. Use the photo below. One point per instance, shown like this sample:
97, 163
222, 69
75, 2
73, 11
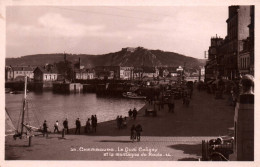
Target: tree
66, 69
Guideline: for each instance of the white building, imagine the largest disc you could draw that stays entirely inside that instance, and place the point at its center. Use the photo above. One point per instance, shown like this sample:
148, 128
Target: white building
16, 72
43, 75
84, 74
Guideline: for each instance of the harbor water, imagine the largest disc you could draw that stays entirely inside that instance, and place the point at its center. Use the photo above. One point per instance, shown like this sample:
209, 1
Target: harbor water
51, 107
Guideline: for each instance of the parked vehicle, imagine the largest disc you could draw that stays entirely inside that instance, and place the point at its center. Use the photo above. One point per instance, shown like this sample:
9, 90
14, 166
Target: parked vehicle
218, 149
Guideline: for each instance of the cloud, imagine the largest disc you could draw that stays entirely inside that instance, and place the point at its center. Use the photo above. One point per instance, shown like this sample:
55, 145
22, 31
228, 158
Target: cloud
59, 25
54, 25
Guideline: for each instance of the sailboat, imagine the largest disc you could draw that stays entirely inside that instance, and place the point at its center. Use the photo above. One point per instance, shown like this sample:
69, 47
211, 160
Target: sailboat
25, 128
9, 126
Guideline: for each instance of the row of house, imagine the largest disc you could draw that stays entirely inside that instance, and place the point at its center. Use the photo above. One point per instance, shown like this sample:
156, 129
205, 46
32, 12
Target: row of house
50, 73
43, 74
233, 55
46, 73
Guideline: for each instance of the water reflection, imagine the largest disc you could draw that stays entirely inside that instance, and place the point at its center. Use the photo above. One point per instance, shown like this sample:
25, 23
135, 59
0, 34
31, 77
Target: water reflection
52, 107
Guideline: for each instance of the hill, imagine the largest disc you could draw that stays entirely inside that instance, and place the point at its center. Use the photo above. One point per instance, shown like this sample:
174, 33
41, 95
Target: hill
126, 57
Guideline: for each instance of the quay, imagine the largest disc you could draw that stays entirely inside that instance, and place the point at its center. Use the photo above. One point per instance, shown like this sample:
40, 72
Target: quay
178, 134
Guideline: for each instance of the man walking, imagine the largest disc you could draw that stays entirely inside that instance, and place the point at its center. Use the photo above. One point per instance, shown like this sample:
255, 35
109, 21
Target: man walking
171, 104
45, 128
56, 127
130, 113
78, 126
120, 122
134, 113
138, 130
66, 125
94, 123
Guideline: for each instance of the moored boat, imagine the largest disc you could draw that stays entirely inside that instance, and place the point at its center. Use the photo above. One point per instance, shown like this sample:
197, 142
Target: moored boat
133, 95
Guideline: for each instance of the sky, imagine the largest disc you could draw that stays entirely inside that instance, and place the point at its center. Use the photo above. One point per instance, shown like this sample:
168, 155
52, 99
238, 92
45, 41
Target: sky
104, 29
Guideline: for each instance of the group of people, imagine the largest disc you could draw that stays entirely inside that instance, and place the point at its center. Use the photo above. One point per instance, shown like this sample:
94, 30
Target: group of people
91, 125
160, 99
132, 113
186, 97
136, 132
121, 122
56, 127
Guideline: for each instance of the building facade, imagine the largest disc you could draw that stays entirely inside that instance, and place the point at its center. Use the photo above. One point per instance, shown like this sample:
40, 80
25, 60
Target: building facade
126, 73
251, 27
237, 31
213, 67
114, 72
84, 74
233, 55
18, 72
42, 74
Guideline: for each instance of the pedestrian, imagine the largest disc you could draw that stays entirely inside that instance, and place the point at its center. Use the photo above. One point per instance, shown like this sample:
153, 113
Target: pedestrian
94, 123
117, 121
138, 130
78, 126
184, 96
92, 119
87, 128
56, 127
65, 125
124, 123
171, 104
134, 113
160, 101
186, 101
130, 113
120, 122
45, 128
133, 133
149, 100
95, 119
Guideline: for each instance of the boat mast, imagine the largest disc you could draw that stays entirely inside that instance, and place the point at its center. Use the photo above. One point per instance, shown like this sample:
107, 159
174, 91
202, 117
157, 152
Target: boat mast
24, 103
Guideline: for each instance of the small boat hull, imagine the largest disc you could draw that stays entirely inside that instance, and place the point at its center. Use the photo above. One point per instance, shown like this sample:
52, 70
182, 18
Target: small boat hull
132, 95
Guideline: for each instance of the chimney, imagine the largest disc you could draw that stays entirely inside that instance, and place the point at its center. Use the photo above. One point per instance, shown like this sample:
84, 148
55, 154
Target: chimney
79, 63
